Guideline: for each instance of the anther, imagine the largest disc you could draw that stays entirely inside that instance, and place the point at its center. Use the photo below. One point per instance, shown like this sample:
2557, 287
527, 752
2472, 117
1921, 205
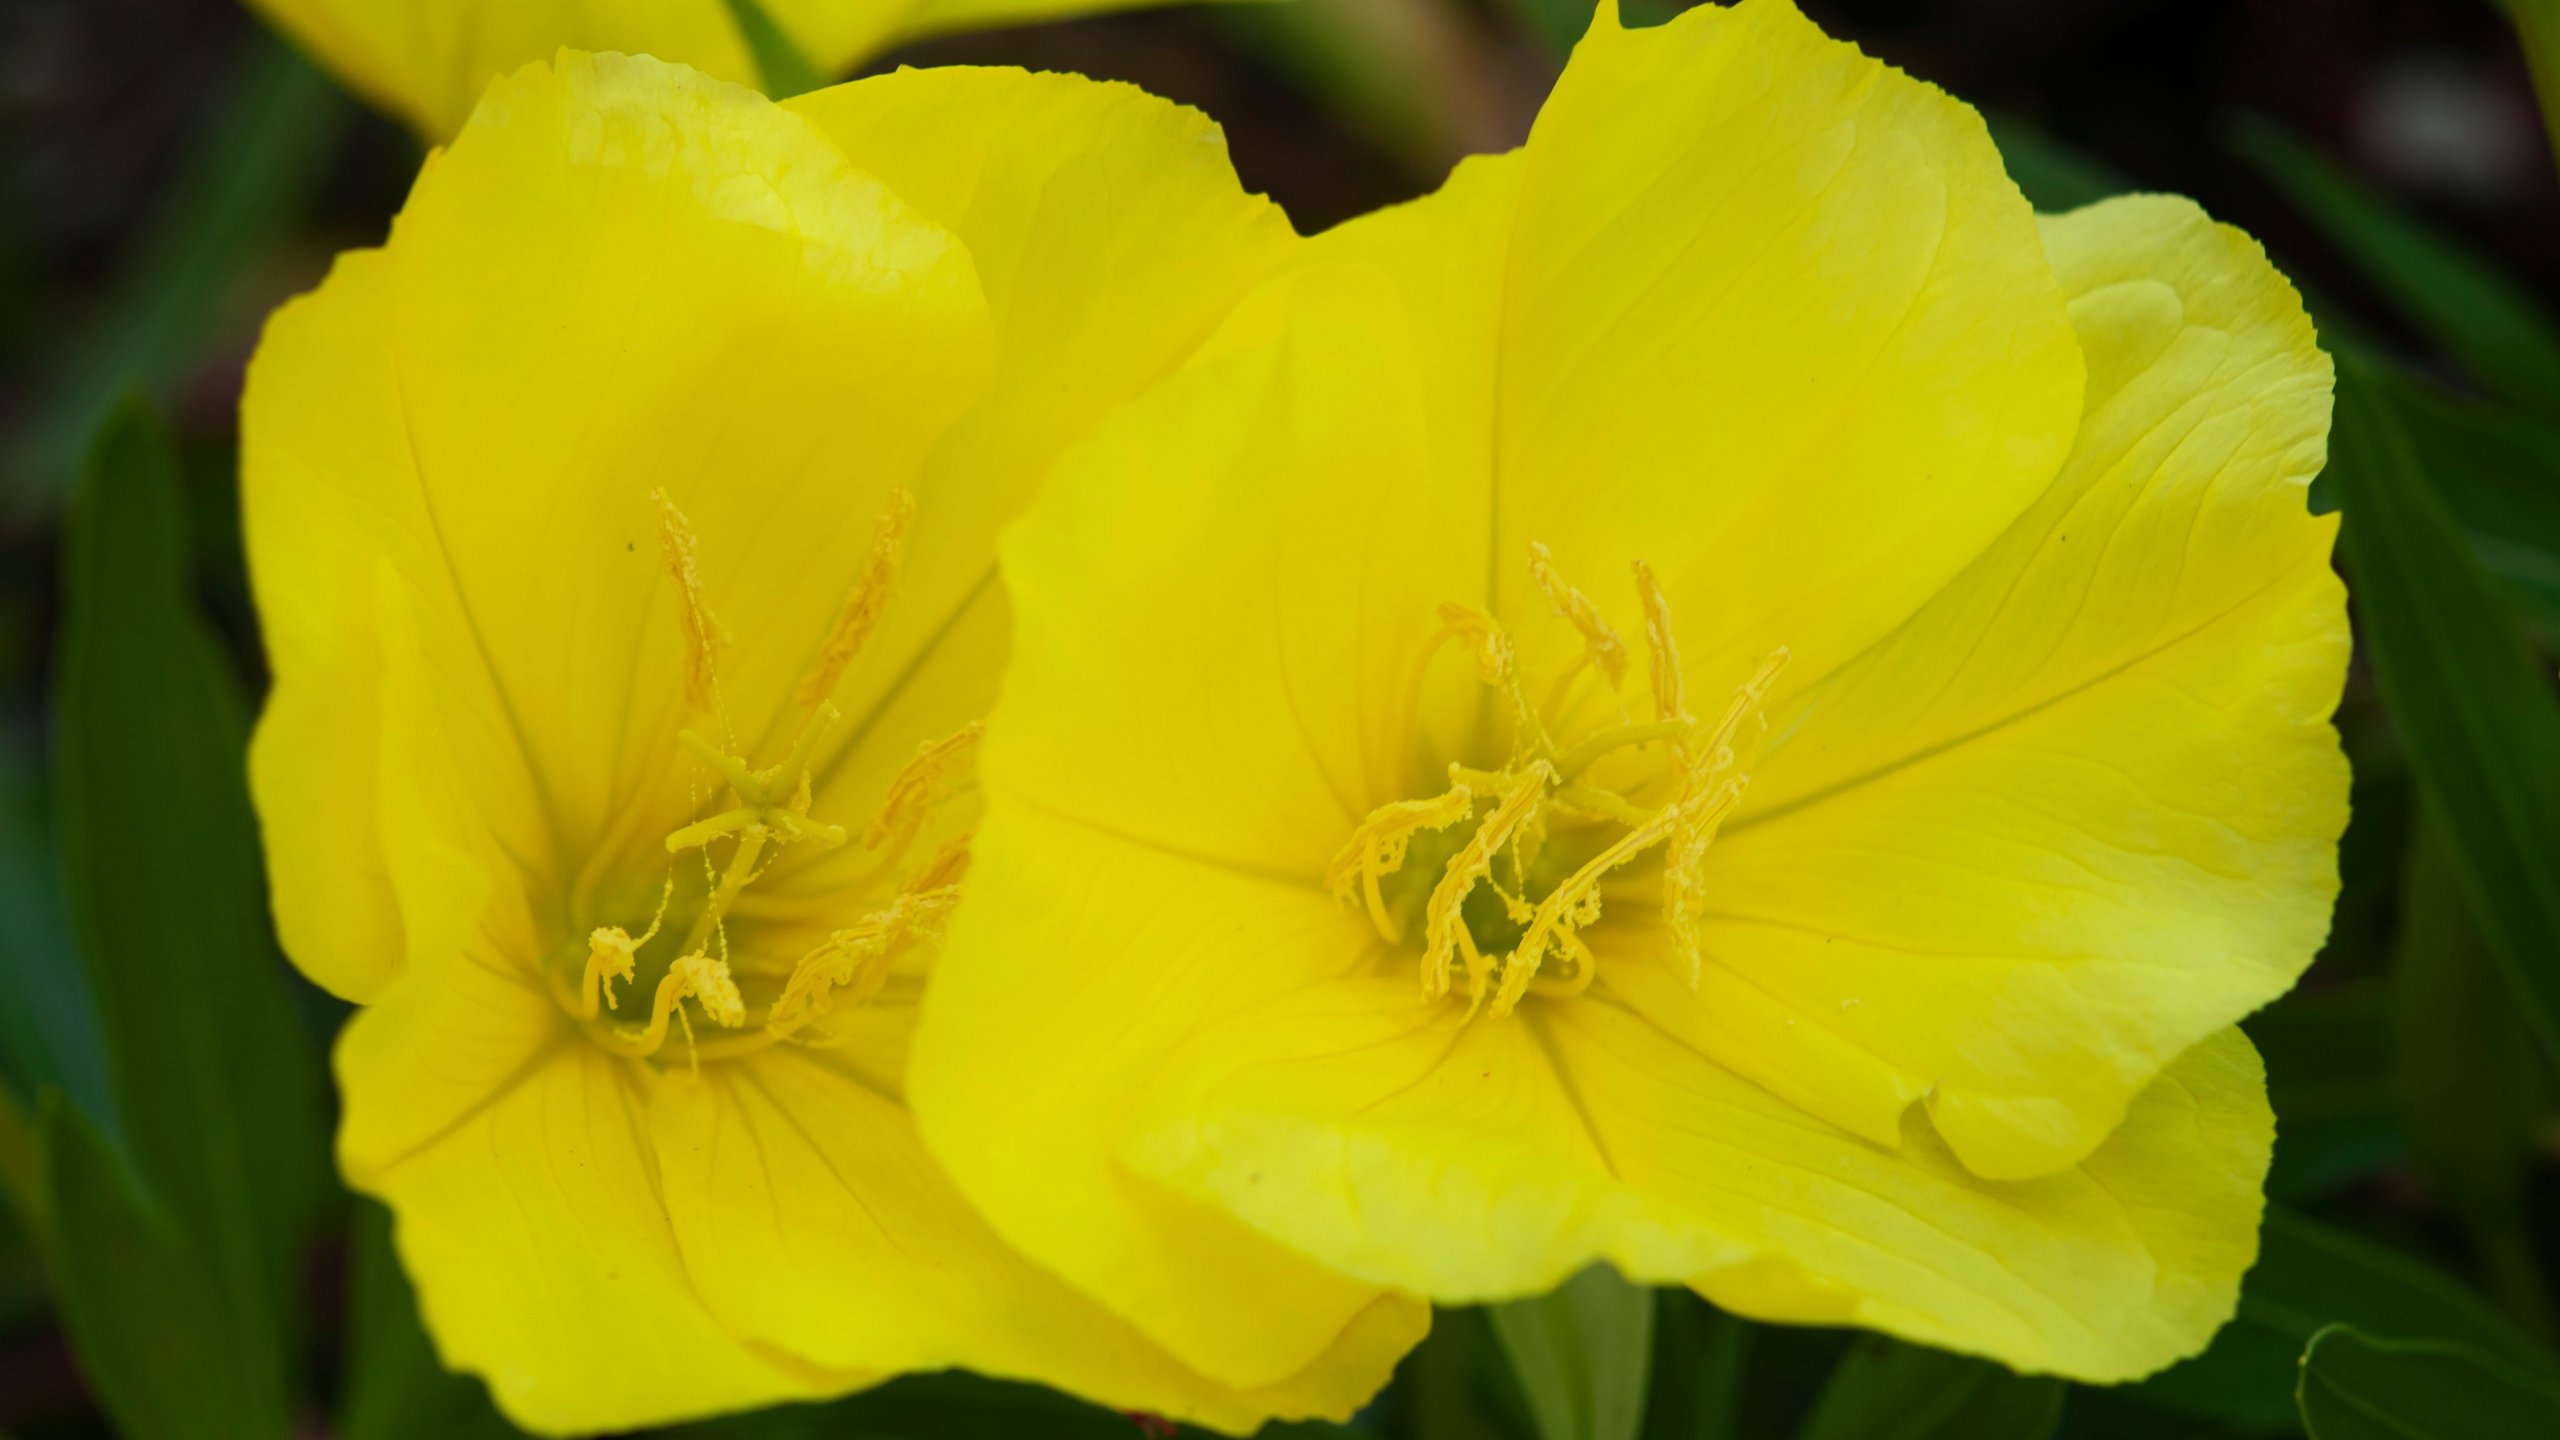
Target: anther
1377, 849
1602, 647
866, 602
703, 633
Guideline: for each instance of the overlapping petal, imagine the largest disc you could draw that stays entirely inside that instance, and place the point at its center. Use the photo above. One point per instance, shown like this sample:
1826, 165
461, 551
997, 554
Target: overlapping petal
2034, 824
626, 278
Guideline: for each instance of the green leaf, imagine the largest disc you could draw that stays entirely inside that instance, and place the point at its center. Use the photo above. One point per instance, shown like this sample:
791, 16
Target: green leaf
2053, 175
2309, 1276
2499, 473
2498, 331
2329, 1078
785, 68
1699, 1354
1886, 1390
49, 1029
2355, 1387
2473, 1085
210, 1067
1582, 1355
948, 1406
2475, 715
2538, 27
158, 1338
395, 1387
256, 164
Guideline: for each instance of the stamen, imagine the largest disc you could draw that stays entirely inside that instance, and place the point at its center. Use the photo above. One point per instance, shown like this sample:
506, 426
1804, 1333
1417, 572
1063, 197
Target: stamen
703, 632
1445, 929
866, 602
1606, 650
1670, 702
1377, 849
1710, 790
856, 961
1572, 906
912, 793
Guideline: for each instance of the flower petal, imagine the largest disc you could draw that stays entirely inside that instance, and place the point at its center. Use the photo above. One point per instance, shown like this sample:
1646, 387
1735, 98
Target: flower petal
813, 1220
427, 61
1111, 236
1485, 1159
1039, 1039
489, 402
2083, 810
544, 1261
1775, 320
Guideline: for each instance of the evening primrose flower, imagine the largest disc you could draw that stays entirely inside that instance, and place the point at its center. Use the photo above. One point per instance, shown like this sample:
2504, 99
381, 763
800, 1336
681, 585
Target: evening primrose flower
622, 532
1714, 697
426, 61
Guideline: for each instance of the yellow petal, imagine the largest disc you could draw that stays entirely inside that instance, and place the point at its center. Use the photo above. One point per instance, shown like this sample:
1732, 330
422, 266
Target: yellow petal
813, 1220
543, 1257
1111, 236
1479, 1160
426, 61
490, 402
1775, 320
1040, 1034
1253, 552
2083, 809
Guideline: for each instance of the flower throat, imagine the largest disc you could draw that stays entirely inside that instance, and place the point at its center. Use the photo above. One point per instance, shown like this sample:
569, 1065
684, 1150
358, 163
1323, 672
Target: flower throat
1505, 867
684, 946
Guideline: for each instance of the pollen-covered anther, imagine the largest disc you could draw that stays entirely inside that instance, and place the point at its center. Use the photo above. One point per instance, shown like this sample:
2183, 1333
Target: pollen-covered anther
704, 636
1377, 848
852, 964
866, 603
1601, 647
917, 787
1669, 790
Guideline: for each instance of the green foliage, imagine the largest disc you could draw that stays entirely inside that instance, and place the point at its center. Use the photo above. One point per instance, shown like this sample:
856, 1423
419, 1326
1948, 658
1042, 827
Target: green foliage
2355, 1387
2474, 713
206, 1058
786, 71
2310, 1276
396, 1389
1582, 1355
2495, 329
1886, 1390
250, 174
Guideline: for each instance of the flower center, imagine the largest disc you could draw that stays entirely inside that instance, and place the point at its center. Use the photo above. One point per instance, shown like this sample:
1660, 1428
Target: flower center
681, 960
1505, 867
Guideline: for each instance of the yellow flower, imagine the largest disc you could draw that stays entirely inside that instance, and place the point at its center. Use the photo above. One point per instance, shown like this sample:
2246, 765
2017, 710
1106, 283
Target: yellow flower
623, 534
1714, 696
426, 61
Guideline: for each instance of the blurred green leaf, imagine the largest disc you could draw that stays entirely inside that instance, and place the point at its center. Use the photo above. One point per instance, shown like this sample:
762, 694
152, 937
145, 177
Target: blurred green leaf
160, 1341
256, 164
2498, 472
1558, 24
2498, 331
2355, 1387
1457, 1386
946, 1406
211, 1071
1698, 1355
2053, 175
2330, 1080
1583, 1355
2311, 1275
784, 68
2473, 1084
2538, 27
2475, 717
1887, 1390
49, 1030
395, 1388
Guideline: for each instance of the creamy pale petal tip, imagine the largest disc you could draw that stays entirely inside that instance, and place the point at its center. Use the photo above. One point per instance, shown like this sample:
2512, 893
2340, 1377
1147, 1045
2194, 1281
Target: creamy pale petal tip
623, 532
1716, 696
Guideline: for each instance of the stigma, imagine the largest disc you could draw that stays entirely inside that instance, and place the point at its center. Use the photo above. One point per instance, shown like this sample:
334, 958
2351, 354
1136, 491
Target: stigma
636, 993
1505, 867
